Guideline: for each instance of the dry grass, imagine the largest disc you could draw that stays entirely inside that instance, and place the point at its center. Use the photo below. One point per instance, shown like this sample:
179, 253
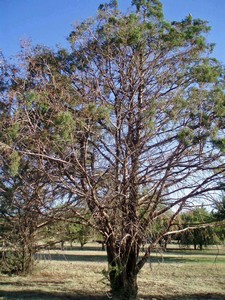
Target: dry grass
78, 275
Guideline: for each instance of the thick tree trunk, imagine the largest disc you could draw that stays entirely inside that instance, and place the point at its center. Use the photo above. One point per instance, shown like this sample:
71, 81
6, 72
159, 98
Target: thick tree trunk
124, 285
123, 277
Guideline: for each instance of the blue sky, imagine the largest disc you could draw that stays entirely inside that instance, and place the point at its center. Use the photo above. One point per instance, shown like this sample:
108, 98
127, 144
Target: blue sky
49, 22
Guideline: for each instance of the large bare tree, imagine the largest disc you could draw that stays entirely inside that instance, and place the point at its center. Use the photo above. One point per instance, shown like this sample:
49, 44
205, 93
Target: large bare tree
129, 124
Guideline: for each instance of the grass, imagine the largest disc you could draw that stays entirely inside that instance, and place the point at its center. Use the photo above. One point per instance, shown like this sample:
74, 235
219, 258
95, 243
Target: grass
75, 274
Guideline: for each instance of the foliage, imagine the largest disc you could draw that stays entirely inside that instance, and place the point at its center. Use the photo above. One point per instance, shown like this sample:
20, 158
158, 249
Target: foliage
201, 235
218, 215
25, 199
21, 202
68, 231
219, 212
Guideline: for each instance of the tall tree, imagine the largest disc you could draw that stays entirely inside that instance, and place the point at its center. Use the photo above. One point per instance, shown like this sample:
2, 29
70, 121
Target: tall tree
124, 124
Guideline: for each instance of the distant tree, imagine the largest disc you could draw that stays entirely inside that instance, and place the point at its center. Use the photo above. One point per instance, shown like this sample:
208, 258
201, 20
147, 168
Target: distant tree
123, 124
201, 235
68, 231
82, 234
71, 233
219, 211
218, 215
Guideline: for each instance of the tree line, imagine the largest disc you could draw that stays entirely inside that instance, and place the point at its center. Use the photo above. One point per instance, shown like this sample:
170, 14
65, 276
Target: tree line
21, 240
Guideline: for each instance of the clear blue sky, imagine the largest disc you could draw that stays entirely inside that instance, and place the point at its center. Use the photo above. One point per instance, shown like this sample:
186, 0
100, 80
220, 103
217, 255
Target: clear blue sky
49, 22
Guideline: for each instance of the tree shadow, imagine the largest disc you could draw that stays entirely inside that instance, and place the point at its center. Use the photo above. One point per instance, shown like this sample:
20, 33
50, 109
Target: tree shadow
198, 296
71, 257
42, 295
78, 248
165, 259
102, 258
189, 252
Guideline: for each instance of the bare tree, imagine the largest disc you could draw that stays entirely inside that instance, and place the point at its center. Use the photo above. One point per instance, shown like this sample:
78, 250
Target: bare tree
126, 124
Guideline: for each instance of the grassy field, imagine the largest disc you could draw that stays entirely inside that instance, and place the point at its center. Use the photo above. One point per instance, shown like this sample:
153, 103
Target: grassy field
76, 274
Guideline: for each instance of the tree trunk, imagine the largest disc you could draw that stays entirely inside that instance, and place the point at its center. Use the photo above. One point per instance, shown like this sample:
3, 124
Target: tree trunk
26, 256
124, 285
123, 277
27, 262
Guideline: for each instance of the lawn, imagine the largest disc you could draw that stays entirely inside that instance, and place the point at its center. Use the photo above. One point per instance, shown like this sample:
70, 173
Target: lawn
76, 274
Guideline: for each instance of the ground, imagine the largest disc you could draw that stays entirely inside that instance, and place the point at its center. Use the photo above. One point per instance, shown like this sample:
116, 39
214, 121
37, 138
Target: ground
76, 274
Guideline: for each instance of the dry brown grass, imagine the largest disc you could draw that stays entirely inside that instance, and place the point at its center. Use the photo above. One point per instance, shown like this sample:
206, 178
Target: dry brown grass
78, 275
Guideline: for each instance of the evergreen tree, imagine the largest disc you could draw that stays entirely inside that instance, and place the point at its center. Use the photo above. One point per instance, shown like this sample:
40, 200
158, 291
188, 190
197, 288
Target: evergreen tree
129, 125
201, 235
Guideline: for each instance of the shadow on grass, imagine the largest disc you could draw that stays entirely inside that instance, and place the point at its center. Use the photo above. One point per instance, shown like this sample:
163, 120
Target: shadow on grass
78, 248
178, 260
102, 258
184, 259
165, 259
186, 251
40, 295
71, 257
201, 296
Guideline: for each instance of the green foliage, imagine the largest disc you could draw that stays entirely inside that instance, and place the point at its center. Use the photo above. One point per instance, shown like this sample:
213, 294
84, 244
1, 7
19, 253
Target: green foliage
219, 212
220, 144
207, 73
201, 235
14, 262
14, 162
9, 135
98, 112
16, 255
65, 123
217, 94
10, 263
113, 4
188, 30
186, 136
151, 8
13, 131
82, 234
218, 215
31, 97
70, 231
